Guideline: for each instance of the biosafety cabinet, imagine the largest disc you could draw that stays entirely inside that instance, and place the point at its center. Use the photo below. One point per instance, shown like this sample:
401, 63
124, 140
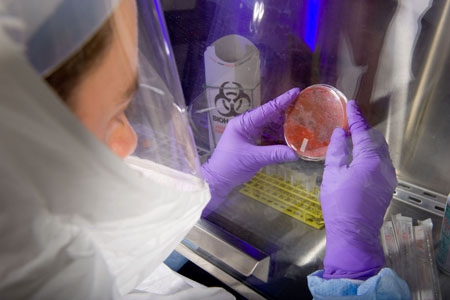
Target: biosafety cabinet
393, 57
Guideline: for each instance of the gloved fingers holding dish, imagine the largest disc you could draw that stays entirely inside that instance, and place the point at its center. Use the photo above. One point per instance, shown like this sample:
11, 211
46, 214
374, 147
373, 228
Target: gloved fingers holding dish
237, 157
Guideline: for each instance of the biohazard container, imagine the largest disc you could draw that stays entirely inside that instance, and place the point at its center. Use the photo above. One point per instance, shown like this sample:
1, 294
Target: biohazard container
311, 119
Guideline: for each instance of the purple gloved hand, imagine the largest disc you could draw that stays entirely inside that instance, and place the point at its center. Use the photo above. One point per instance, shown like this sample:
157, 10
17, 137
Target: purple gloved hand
237, 158
355, 194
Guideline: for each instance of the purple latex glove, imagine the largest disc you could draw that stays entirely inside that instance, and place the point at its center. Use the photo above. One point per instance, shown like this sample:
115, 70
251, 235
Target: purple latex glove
355, 194
237, 158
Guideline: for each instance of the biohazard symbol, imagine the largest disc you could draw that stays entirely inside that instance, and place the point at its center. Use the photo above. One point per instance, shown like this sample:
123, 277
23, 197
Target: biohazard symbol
231, 100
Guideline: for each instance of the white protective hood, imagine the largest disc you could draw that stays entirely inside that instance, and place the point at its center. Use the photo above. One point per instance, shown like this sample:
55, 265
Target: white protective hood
75, 220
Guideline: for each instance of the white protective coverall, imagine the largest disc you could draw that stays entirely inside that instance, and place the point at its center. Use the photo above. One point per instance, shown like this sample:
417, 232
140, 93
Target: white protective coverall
76, 221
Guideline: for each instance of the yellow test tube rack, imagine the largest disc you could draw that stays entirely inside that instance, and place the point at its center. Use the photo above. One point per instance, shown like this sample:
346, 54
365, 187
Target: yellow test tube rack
293, 200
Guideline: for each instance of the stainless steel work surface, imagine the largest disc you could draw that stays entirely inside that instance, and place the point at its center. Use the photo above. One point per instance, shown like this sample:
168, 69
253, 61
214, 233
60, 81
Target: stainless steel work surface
295, 249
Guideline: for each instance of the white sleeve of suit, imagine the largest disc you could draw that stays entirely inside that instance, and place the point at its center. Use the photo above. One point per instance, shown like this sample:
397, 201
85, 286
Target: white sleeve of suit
167, 284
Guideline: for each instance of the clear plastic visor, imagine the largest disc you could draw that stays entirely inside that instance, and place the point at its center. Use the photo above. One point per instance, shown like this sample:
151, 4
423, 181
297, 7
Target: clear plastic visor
111, 62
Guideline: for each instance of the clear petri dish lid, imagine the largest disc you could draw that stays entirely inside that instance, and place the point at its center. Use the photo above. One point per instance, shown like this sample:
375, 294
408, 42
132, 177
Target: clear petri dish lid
311, 119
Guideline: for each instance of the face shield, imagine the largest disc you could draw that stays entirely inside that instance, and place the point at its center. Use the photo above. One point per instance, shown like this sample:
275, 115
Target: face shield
76, 76
158, 112
137, 61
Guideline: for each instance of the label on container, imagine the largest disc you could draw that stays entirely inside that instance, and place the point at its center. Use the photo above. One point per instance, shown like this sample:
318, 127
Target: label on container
232, 75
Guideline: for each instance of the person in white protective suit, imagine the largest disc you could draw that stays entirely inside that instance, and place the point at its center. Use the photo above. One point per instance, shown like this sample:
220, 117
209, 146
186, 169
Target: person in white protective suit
84, 84
99, 177
82, 224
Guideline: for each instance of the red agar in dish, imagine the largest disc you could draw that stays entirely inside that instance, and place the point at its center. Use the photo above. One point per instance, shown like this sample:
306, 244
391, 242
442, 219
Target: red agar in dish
311, 119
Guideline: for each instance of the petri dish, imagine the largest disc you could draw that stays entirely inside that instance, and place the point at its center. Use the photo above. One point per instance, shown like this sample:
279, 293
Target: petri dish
311, 119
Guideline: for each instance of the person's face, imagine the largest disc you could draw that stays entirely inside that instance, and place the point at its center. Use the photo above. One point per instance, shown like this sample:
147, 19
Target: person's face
105, 92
